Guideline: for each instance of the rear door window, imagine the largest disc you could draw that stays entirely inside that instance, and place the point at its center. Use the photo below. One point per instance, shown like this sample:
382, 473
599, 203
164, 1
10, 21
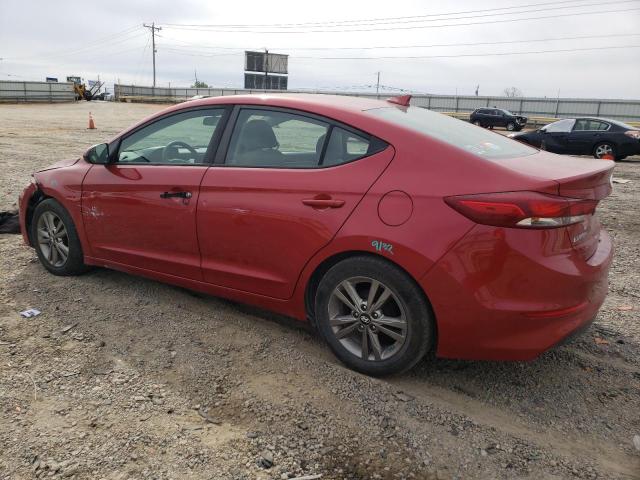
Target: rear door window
266, 138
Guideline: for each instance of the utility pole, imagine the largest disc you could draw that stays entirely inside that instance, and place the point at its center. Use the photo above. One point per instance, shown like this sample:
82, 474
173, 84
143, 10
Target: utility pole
266, 67
153, 46
378, 84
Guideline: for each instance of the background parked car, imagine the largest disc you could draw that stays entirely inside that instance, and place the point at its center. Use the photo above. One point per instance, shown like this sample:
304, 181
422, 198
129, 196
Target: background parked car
585, 136
496, 117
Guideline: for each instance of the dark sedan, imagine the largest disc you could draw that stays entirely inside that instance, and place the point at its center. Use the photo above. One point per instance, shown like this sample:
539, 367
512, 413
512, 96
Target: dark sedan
600, 137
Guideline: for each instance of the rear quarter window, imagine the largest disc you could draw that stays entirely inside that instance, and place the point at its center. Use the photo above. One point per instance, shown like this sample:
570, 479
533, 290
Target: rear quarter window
454, 132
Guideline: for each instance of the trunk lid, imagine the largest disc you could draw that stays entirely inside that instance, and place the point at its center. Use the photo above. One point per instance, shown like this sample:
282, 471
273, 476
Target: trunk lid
574, 177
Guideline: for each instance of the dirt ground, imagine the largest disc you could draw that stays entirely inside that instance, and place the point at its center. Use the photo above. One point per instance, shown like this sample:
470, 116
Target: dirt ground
126, 378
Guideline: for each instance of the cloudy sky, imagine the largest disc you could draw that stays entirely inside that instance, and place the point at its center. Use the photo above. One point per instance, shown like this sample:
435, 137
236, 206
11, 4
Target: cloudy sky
592, 47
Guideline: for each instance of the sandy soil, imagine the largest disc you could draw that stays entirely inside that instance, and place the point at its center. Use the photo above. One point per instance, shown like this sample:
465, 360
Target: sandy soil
122, 377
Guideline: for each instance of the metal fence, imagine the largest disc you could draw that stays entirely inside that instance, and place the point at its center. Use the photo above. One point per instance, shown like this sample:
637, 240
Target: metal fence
624, 110
12, 92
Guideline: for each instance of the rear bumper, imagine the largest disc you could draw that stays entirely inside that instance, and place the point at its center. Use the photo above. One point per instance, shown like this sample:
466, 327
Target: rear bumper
494, 301
629, 148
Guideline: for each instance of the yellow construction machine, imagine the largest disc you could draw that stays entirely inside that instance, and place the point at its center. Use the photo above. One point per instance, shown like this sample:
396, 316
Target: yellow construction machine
82, 92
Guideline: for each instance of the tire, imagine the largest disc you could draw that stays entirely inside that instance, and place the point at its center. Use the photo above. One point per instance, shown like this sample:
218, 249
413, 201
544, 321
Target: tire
511, 126
405, 313
50, 212
603, 148
477, 123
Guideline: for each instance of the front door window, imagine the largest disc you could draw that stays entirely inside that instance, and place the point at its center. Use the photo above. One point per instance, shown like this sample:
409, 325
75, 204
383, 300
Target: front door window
181, 139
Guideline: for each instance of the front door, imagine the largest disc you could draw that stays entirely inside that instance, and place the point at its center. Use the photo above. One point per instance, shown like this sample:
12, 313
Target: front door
288, 184
555, 135
140, 210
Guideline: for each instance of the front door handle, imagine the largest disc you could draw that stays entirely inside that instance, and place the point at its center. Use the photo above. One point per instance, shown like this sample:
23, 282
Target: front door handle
324, 202
175, 195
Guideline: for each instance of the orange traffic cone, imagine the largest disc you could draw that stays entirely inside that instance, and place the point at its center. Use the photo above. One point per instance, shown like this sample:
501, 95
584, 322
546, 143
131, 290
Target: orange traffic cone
92, 125
607, 156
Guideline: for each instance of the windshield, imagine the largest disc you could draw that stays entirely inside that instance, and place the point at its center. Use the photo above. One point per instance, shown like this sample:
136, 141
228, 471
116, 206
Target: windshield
508, 113
457, 133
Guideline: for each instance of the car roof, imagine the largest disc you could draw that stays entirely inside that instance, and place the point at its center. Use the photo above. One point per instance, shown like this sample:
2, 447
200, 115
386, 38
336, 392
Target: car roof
302, 101
346, 109
594, 118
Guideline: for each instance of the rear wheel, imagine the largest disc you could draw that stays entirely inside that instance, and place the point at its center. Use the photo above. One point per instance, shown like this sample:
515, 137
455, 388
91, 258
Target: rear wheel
373, 316
55, 239
604, 149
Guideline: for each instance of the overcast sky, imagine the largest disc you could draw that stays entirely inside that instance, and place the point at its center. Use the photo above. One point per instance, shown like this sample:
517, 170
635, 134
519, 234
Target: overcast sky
60, 38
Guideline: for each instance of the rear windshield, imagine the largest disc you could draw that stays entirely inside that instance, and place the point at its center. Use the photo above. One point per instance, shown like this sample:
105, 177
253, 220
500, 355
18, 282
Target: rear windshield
455, 132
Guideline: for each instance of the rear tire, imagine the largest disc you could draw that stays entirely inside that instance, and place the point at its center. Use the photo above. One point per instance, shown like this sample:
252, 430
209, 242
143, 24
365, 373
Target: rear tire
55, 239
604, 148
380, 333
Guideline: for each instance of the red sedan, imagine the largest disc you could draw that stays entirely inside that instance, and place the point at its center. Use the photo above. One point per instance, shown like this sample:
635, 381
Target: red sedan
395, 230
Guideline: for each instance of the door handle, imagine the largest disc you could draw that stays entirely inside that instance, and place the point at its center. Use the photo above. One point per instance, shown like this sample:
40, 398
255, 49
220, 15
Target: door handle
322, 202
175, 195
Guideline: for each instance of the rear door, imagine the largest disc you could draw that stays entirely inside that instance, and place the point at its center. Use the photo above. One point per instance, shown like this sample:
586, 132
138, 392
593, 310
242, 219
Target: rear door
140, 211
284, 186
585, 134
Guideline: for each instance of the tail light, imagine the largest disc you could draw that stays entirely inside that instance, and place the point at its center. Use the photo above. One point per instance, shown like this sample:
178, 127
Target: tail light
522, 209
635, 134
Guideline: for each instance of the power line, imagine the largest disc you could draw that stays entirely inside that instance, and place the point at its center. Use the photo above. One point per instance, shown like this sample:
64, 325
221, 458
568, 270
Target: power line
110, 39
170, 46
409, 57
492, 54
410, 27
395, 19
141, 59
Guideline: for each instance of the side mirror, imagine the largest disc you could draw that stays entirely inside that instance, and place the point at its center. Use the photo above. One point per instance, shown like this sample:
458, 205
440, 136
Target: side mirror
98, 154
210, 121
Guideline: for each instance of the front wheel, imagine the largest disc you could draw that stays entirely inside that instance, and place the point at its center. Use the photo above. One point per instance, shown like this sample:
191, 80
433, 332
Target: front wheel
374, 317
511, 126
477, 123
55, 239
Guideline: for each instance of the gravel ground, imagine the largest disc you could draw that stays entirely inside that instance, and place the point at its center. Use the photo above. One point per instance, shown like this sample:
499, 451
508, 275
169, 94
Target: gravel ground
122, 377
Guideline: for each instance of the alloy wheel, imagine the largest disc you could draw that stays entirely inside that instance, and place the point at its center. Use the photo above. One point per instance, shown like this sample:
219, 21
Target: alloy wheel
367, 318
604, 149
53, 239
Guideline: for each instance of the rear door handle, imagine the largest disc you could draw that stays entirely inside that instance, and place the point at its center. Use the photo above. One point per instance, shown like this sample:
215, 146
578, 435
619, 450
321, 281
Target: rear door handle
323, 202
175, 195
